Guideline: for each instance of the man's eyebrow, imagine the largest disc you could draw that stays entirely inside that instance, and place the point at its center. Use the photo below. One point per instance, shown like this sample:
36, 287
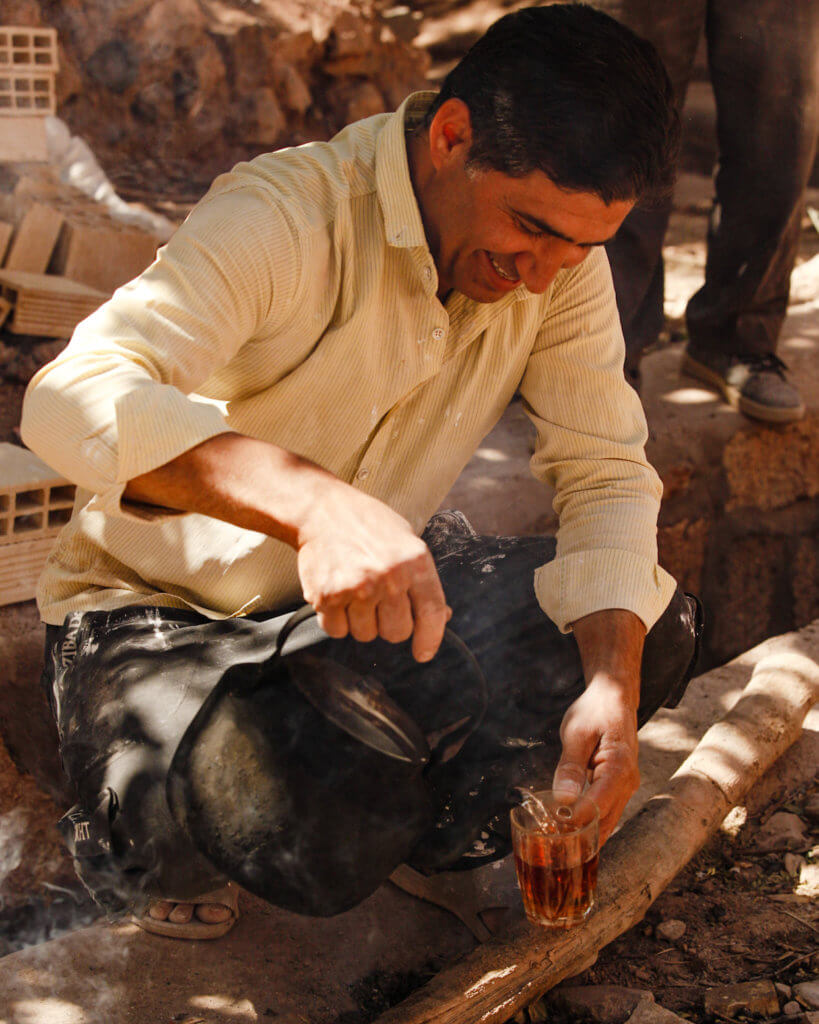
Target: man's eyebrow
547, 229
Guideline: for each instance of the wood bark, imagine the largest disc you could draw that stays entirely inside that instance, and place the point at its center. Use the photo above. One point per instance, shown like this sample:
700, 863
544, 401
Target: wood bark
512, 970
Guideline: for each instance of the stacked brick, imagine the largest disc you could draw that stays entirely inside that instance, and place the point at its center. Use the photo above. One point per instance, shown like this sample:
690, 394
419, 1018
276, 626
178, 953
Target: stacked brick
28, 69
35, 503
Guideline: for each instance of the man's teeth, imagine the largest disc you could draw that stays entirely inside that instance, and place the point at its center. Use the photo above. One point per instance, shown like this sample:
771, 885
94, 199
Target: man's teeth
500, 270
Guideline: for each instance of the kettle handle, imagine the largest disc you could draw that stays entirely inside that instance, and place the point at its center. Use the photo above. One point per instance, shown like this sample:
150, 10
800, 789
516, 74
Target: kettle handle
458, 736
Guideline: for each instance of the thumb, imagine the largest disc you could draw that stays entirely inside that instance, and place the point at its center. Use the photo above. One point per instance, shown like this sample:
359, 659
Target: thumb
570, 774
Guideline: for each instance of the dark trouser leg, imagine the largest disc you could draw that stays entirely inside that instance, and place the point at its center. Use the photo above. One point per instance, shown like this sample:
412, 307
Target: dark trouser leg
124, 685
128, 683
635, 254
764, 59
533, 672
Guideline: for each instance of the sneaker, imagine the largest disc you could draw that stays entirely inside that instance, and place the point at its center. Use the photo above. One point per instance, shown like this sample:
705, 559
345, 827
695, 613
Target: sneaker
754, 384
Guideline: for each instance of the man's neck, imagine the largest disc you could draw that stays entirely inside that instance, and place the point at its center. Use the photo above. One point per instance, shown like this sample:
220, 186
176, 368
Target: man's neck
421, 176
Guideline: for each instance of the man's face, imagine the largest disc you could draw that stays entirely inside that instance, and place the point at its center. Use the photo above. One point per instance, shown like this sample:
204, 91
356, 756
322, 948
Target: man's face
488, 232
498, 231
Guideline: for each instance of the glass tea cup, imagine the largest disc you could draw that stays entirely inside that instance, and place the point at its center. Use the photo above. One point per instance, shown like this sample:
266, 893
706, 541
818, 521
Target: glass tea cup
556, 848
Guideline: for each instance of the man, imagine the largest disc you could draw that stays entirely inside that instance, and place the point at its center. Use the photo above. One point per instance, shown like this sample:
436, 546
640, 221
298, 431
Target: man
765, 76
274, 409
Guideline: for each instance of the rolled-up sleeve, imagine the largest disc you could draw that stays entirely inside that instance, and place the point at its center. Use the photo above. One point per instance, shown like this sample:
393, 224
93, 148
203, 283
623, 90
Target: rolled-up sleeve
121, 398
591, 435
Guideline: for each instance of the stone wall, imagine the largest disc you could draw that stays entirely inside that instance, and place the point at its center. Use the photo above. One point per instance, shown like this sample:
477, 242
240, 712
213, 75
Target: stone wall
205, 82
745, 534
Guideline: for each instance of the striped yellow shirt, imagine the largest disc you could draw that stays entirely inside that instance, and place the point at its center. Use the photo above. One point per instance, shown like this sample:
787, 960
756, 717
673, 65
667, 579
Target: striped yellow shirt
297, 304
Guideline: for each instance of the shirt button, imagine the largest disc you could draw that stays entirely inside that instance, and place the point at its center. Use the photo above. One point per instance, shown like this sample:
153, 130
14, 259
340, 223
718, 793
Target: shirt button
438, 334
362, 474
427, 273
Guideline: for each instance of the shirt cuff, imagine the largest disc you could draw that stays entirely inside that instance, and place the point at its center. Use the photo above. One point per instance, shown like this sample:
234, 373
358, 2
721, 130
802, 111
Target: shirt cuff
591, 581
154, 425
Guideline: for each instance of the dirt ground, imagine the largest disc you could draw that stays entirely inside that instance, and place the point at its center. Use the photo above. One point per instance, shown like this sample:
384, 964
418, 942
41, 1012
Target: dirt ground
743, 918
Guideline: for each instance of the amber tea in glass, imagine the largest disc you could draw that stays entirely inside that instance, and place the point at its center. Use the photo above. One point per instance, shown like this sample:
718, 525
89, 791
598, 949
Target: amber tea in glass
556, 846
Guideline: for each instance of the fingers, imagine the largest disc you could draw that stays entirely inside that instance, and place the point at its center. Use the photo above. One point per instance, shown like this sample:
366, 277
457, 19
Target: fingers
430, 613
613, 783
407, 601
395, 619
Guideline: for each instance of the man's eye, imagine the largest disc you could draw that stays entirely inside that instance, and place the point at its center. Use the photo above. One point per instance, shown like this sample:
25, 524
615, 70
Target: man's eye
534, 233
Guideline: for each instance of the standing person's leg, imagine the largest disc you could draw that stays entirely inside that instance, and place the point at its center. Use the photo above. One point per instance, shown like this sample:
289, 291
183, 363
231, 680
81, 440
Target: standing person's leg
635, 253
764, 59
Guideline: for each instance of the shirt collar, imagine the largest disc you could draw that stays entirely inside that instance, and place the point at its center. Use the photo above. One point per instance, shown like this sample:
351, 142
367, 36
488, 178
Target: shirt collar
402, 218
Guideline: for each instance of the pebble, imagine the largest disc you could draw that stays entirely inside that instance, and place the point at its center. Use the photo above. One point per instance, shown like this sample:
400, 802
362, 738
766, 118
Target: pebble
782, 831
808, 880
603, 1004
649, 1012
807, 992
793, 863
792, 1008
749, 997
783, 989
672, 929
811, 808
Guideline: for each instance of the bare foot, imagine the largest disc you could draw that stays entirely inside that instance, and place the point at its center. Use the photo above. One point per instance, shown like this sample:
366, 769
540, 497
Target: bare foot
181, 913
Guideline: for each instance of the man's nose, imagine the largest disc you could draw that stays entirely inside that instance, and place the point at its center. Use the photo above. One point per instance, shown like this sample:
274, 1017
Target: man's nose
538, 267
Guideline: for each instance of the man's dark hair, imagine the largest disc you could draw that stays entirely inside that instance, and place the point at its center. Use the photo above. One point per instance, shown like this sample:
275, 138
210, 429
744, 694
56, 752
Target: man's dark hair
566, 90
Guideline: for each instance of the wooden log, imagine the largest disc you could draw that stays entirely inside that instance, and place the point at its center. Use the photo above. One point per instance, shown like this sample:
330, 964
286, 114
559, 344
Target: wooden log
492, 983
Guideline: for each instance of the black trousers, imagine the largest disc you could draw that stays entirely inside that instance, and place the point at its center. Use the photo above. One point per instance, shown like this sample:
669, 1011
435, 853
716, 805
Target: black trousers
126, 684
763, 57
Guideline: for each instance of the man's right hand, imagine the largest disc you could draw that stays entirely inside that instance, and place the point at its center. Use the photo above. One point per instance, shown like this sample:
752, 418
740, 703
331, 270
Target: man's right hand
366, 573
360, 565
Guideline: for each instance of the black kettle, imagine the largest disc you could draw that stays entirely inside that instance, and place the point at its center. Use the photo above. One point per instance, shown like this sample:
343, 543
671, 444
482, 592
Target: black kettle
301, 777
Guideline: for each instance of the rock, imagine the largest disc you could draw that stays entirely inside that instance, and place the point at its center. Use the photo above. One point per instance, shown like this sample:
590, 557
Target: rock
748, 997
782, 831
807, 992
793, 863
811, 808
768, 469
173, 77
682, 550
113, 65
649, 1012
265, 120
783, 990
294, 92
604, 1004
792, 1008
808, 880
672, 929
364, 101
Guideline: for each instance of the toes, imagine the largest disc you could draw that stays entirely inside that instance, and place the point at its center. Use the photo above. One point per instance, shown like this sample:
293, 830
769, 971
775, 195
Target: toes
159, 911
213, 913
181, 913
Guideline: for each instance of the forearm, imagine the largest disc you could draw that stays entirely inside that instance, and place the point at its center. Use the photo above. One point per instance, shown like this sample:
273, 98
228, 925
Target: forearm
360, 564
611, 649
249, 483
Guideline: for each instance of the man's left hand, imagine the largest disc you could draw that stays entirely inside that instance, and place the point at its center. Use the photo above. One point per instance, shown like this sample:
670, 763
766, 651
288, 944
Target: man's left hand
599, 730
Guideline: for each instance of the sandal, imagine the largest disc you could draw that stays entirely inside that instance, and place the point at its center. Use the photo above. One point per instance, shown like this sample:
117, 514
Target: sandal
483, 913
196, 929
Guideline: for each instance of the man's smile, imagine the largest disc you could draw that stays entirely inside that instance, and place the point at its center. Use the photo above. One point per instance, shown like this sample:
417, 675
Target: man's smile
504, 266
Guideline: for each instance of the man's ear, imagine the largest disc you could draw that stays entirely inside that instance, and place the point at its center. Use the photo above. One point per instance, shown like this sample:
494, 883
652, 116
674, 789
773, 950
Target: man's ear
450, 133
